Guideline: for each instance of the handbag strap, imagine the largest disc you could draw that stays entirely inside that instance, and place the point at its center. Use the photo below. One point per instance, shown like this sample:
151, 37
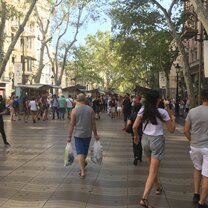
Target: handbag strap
145, 125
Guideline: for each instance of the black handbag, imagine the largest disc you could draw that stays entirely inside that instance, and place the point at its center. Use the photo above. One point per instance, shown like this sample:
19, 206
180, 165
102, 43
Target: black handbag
129, 129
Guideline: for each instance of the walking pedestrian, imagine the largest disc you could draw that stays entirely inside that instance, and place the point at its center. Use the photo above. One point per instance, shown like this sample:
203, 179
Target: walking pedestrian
2, 112
137, 148
119, 106
112, 105
45, 106
70, 104
82, 124
153, 141
25, 108
126, 109
33, 109
16, 106
62, 107
54, 105
12, 113
196, 131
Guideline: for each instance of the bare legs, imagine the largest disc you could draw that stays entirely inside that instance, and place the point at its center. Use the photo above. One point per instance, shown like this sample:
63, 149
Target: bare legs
81, 160
204, 193
152, 177
197, 180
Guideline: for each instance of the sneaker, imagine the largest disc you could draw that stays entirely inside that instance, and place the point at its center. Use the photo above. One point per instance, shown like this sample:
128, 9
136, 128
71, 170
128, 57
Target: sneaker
7, 143
202, 205
196, 198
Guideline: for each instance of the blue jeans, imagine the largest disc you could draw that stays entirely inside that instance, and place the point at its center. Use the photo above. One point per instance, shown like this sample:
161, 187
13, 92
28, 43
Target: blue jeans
61, 113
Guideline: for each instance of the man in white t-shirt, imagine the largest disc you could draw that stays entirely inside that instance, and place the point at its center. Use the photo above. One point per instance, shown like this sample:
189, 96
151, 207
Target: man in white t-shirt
196, 131
70, 105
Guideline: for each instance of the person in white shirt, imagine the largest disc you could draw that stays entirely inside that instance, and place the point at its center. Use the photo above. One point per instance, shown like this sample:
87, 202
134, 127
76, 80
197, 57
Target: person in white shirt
70, 105
153, 141
33, 109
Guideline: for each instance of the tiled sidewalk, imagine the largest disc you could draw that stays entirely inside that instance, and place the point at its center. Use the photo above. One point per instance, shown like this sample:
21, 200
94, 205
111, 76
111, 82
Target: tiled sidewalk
32, 174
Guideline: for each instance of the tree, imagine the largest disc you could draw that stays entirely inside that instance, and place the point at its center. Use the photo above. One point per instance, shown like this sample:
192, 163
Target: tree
201, 12
173, 31
44, 27
17, 35
72, 15
141, 17
98, 62
144, 46
7, 12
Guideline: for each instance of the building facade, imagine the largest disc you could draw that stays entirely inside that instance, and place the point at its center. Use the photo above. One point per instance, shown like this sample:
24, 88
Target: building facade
24, 60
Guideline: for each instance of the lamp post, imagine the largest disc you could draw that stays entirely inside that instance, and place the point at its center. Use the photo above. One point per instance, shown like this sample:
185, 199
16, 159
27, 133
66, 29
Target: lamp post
177, 67
52, 78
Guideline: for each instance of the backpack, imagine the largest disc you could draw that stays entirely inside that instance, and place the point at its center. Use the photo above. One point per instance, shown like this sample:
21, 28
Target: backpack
15, 103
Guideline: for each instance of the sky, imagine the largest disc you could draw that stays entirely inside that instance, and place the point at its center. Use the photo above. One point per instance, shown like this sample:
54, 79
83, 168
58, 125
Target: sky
103, 24
91, 28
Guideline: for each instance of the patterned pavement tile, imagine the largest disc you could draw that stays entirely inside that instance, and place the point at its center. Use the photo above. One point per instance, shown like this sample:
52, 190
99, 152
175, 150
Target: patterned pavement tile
32, 174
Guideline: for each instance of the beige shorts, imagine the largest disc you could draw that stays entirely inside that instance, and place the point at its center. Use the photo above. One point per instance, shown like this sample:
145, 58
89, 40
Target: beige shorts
119, 109
199, 157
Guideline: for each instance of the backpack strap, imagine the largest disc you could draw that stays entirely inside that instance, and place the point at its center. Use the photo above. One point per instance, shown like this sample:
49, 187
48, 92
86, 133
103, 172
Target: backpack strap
145, 125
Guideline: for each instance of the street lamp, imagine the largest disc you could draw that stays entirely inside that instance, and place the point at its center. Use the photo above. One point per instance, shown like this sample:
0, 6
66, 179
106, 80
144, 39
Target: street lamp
177, 67
52, 78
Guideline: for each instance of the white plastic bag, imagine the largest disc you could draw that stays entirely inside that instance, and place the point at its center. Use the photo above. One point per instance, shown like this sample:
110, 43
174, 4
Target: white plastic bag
68, 155
97, 152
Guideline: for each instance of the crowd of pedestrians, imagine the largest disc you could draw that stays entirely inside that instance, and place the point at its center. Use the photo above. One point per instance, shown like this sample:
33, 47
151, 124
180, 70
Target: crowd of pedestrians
40, 107
143, 117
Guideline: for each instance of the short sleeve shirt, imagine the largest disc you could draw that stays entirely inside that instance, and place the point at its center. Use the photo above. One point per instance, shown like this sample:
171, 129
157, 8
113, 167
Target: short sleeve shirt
154, 130
198, 119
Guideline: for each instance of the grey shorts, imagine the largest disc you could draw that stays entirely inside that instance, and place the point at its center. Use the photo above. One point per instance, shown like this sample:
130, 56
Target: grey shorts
153, 146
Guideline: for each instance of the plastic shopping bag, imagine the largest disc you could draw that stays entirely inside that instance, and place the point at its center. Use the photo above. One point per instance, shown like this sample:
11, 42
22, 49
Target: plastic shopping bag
97, 152
68, 155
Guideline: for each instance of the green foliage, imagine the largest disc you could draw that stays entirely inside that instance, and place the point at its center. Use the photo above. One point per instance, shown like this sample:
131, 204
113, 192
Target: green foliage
144, 41
10, 9
98, 62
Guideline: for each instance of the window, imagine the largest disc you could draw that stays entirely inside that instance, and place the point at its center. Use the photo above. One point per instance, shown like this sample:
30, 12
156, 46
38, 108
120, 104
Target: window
29, 65
22, 41
13, 59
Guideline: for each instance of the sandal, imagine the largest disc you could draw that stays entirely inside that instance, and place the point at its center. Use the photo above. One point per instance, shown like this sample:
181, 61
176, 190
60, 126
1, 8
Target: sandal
81, 176
158, 191
145, 203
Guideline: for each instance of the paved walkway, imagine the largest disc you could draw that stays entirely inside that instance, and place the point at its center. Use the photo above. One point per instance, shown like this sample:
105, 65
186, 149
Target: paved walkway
32, 174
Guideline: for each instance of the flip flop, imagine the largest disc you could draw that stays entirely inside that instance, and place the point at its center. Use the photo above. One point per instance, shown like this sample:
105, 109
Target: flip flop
145, 203
81, 176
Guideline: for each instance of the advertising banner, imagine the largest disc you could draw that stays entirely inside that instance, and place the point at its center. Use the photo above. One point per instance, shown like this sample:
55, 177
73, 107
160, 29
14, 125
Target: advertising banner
17, 74
206, 58
162, 80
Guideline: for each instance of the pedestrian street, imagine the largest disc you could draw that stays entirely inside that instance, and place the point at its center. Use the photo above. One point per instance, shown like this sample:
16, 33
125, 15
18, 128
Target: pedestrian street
32, 173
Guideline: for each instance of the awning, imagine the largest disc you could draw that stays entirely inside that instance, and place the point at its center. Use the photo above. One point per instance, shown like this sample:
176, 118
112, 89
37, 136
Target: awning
74, 88
38, 86
96, 91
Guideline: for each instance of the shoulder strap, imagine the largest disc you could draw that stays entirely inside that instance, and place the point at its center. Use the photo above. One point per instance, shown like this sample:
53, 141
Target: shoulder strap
145, 125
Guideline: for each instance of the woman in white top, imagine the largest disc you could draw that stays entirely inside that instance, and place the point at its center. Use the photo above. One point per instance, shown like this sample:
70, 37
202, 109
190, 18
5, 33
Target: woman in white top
33, 109
153, 142
12, 112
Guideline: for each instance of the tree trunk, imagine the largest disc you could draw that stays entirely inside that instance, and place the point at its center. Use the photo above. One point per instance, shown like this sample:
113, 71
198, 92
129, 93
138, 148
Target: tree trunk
16, 37
41, 65
181, 47
2, 27
201, 12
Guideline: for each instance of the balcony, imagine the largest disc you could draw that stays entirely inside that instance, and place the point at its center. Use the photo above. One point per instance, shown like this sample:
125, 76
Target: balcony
189, 33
